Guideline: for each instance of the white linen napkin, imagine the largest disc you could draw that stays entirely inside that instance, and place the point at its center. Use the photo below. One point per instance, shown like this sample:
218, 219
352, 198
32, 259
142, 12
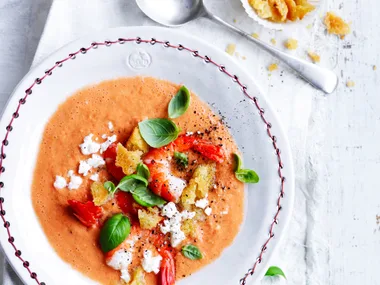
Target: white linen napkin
291, 97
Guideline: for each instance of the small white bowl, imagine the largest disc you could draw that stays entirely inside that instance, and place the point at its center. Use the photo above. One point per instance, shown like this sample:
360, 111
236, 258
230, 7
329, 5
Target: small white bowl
308, 19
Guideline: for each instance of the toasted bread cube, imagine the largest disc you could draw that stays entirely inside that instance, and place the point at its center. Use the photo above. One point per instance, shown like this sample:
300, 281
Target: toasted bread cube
204, 177
127, 160
149, 218
138, 277
100, 194
188, 195
189, 227
136, 142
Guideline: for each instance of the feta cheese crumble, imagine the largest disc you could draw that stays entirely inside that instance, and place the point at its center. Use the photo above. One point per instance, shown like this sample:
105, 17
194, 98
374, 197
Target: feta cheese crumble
60, 182
94, 177
84, 167
110, 126
121, 259
172, 225
125, 275
95, 161
208, 211
75, 182
202, 203
107, 143
89, 146
151, 263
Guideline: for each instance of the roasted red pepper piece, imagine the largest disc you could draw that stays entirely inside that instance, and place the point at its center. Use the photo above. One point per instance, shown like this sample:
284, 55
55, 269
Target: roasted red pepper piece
87, 213
110, 159
167, 271
126, 203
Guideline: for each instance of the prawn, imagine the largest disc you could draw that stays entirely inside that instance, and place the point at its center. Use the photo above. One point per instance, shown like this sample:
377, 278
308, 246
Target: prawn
161, 181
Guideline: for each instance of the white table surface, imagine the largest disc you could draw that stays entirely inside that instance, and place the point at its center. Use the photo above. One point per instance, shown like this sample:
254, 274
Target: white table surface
334, 237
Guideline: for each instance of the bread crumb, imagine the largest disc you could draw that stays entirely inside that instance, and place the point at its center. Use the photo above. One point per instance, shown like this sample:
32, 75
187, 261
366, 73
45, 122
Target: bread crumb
336, 25
314, 56
273, 41
374, 67
309, 26
272, 67
255, 35
291, 44
230, 49
237, 54
243, 57
350, 84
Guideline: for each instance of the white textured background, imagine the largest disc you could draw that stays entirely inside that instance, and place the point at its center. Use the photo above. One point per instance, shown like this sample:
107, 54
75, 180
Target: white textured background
334, 237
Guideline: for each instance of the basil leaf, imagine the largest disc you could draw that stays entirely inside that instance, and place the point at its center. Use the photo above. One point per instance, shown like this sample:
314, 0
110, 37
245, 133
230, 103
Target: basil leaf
111, 188
144, 197
179, 103
275, 271
143, 171
192, 252
158, 132
244, 175
181, 159
131, 182
237, 162
114, 232
247, 176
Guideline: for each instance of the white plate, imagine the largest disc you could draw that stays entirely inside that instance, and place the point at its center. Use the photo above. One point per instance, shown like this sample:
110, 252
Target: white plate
210, 82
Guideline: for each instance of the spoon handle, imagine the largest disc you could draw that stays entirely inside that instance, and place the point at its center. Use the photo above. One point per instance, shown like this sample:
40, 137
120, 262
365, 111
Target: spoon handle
321, 78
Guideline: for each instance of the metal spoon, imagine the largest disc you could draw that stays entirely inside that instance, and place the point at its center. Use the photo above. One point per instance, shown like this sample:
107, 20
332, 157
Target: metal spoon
179, 12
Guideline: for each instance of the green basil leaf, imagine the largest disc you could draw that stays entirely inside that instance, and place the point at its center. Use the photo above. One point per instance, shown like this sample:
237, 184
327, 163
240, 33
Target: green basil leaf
143, 171
247, 176
181, 159
146, 198
158, 132
110, 187
237, 162
114, 232
131, 182
275, 271
192, 252
179, 103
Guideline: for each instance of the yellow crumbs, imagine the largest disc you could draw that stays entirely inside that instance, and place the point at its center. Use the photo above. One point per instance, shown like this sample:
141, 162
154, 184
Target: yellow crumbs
255, 35
374, 67
350, 84
336, 25
273, 41
281, 10
230, 49
314, 56
291, 44
273, 67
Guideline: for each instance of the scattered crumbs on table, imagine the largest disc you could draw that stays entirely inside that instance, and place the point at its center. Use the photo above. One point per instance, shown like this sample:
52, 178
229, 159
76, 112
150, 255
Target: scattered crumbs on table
243, 57
234, 20
255, 35
230, 49
314, 56
273, 41
377, 220
291, 44
336, 25
237, 54
273, 67
309, 26
374, 67
350, 83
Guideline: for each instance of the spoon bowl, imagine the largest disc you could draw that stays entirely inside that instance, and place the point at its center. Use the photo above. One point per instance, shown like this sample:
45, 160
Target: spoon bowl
172, 13
179, 12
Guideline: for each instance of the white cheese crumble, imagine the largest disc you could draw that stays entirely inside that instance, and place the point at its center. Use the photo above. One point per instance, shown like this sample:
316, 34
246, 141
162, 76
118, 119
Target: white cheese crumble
151, 263
208, 211
202, 203
125, 275
95, 161
94, 177
107, 143
110, 126
75, 182
121, 259
172, 225
89, 146
60, 182
176, 185
84, 167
